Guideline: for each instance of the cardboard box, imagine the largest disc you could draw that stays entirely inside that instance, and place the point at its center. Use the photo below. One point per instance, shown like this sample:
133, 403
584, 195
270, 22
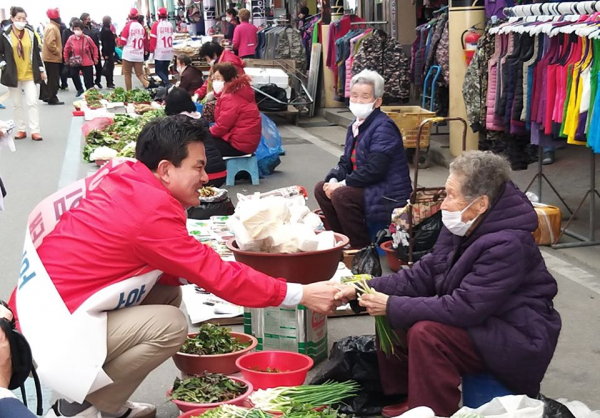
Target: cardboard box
348, 257
549, 222
298, 330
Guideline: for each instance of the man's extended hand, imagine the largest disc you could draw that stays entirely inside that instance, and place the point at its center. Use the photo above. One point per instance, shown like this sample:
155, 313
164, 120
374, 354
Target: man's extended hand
319, 297
5, 359
375, 303
345, 293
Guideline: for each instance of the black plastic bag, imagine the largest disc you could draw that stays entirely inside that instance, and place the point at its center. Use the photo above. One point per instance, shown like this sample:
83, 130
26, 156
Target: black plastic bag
355, 358
366, 261
266, 104
206, 210
554, 409
425, 237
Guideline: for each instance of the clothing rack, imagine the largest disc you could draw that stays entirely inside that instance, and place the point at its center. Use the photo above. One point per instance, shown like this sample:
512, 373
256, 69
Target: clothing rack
557, 9
372, 22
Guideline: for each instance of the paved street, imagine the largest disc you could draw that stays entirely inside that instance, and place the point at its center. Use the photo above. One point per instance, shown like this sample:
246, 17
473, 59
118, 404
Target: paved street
36, 170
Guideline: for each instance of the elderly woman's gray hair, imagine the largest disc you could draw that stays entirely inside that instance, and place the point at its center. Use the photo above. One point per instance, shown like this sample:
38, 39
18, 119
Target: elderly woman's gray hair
371, 78
484, 173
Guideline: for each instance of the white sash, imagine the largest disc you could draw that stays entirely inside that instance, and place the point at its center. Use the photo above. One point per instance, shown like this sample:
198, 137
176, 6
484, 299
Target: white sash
69, 349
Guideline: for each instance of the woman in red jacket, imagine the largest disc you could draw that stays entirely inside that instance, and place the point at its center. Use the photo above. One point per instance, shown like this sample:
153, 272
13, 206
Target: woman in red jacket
81, 54
237, 127
214, 54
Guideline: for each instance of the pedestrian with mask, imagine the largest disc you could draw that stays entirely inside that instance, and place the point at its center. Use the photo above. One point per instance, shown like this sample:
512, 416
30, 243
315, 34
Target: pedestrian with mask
132, 40
190, 78
109, 43
22, 68
52, 57
81, 54
93, 33
161, 45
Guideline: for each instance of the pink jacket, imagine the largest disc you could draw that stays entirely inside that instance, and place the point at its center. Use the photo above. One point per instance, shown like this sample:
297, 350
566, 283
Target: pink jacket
491, 122
244, 39
84, 47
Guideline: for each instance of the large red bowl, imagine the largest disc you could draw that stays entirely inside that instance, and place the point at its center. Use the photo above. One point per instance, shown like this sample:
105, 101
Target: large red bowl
303, 267
194, 364
199, 407
294, 368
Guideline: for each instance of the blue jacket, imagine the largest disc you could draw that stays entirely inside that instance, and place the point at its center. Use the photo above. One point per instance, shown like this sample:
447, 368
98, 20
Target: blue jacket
382, 169
493, 283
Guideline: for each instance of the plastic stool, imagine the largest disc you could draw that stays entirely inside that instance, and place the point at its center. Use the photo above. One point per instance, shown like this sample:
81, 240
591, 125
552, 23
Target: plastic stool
247, 163
480, 389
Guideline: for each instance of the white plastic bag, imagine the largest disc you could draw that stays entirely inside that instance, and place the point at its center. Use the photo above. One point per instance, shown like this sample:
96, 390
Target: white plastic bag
579, 409
511, 406
263, 217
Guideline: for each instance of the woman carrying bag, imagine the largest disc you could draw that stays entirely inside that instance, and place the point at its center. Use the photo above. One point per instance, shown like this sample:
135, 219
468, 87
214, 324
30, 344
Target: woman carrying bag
22, 68
81, 54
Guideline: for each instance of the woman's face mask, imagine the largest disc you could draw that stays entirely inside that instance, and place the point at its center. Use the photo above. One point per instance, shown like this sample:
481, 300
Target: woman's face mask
20, 25
78, 32
453, 220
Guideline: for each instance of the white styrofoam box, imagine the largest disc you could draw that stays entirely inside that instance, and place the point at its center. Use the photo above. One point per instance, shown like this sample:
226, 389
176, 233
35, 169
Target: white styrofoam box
259, 76
262, 76
279, 77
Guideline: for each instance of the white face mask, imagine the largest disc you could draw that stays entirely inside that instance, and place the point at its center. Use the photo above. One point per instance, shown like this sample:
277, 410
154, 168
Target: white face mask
20, 25
361, 110
212, 63
78, 33
453, 221
180, 69
228, 19
218, 86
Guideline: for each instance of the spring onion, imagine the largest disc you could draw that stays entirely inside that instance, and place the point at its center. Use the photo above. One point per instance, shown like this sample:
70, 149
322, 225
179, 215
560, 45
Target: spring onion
232, 411
303, 398
388, 339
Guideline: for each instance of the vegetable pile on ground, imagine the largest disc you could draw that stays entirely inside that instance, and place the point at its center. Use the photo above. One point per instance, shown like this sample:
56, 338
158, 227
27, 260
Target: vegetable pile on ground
119, 135
388, 339
207, 388
303, 398
211, 340
119, 95
232, 411
92, 98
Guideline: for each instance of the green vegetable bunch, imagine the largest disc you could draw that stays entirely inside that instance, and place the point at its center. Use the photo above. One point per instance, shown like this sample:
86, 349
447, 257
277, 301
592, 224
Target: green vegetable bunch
211, 340
388, 339
207, 388
132, 96
92, 99
232, 411
118, 95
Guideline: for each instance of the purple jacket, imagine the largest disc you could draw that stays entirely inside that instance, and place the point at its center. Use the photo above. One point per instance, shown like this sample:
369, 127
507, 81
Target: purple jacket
494, 283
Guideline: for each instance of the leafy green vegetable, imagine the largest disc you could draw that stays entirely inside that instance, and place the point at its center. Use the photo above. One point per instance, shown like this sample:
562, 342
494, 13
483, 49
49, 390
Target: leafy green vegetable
211, 340
118, 95
92, 99
232, 411
138, 96
207, 388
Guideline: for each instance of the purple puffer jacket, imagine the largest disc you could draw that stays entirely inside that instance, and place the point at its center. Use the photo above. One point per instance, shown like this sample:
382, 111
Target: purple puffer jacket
494, 283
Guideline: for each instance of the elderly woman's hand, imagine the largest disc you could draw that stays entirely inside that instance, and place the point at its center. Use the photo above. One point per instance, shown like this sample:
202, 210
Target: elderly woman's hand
375, 303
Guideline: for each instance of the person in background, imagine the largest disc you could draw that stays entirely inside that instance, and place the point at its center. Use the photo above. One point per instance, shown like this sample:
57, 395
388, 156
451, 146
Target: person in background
231, 23
132, 40
372, 174
109, 44
190, 78
238, 124
304, 13
140, 20
64, 70
81, 54
178, 101
244, 37
92, 32
66, 34
161, 45
214, 54
22, 68
52, 56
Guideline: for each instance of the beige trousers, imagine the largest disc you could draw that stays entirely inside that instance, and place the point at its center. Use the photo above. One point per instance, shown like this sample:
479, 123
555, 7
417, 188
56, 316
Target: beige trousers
139, 339
29, 90
128, 66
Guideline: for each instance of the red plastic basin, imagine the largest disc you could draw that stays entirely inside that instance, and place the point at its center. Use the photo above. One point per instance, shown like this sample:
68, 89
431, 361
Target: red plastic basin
303, 267
294, 366
394, 263
199, 407
194, 364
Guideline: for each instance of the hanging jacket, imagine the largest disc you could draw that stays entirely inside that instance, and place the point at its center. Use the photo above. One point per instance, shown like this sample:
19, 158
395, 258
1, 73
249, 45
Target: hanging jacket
442, 54
290, 47
226, 56
237, 119
8, 65
382, 167
494, 284
435, 40
386, 56
491, 122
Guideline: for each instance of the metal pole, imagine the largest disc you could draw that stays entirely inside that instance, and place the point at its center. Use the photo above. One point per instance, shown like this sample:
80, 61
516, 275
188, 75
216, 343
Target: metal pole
592, 194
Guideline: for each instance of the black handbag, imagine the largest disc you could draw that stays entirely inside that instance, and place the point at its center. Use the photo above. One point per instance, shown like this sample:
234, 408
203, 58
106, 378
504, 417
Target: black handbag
266, 104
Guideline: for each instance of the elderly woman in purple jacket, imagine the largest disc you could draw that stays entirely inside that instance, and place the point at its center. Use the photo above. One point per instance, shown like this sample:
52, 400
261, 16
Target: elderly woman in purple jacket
480, 302
373, 172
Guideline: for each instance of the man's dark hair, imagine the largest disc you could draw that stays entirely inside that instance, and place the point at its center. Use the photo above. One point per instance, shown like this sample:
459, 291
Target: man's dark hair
140, 19
227, 70
210, 49
84, 16
178, 100
168, 138
184, 59
77, 24
231, 12
106, 21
